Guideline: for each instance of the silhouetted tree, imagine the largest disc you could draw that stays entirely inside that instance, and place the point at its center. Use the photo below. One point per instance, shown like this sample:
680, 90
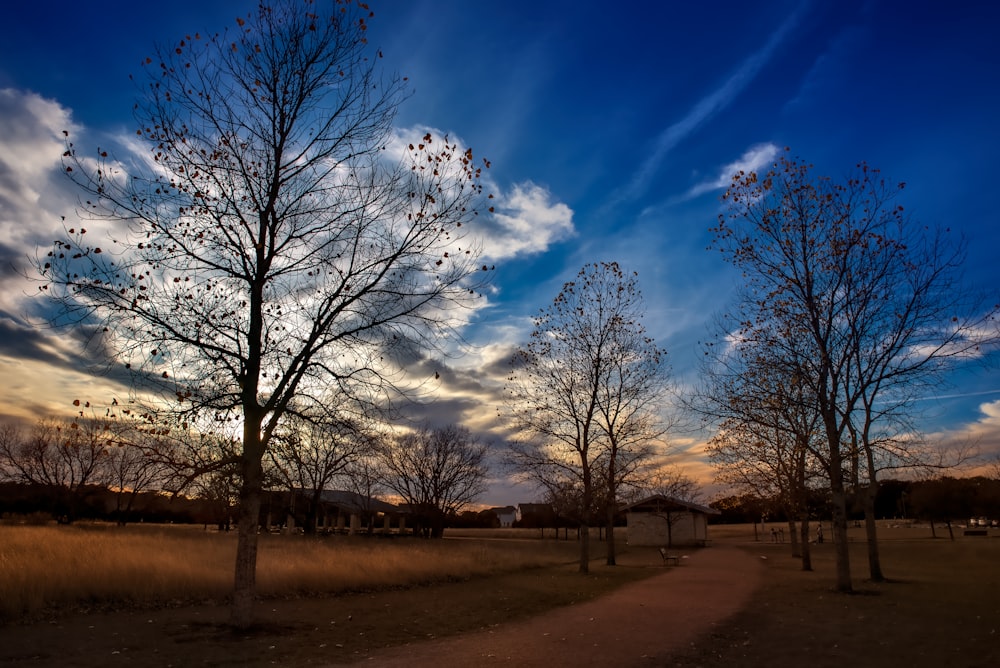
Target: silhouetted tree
67, 456
307, 455
437, 472
583, 394
279, 241
861, 303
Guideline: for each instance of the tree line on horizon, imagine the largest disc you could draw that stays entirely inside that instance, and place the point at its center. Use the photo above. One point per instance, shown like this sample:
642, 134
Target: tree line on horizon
120, 470
940, 501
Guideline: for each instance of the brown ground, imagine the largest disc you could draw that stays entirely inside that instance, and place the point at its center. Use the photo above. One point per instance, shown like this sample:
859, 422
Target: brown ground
743, 602
638, 624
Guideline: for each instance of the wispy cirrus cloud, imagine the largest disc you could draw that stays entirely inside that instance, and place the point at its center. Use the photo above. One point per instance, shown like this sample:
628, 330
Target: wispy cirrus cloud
706, 109
754, 159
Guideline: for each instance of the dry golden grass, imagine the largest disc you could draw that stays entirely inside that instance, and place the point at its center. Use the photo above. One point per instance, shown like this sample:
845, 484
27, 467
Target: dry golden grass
99, 565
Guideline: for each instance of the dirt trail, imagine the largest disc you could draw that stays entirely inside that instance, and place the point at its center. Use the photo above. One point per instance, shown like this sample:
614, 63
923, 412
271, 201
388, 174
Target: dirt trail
639, 624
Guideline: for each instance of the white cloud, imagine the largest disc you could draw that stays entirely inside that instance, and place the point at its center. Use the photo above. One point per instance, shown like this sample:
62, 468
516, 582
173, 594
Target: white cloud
32, 189
527, 221
983, 435
755, 159
985, 430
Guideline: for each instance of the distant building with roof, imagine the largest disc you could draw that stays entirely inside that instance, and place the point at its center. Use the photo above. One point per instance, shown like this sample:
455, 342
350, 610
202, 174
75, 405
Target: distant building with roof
665, 521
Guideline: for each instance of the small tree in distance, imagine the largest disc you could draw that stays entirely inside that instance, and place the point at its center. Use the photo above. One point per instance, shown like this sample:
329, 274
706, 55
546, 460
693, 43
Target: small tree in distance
437, 472
583, 395
279, 241
307, 457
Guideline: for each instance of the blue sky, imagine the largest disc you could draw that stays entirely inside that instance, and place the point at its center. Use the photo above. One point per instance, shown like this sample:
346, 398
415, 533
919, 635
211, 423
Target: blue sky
612, 129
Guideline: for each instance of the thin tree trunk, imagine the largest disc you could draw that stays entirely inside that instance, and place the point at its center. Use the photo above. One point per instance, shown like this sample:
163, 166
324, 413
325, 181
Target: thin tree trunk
583, 530
871, 533
611, 535
804, 535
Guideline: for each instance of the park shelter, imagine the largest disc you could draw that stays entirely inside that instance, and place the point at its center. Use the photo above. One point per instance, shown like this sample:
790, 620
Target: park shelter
335, 511
666, 521
353, 512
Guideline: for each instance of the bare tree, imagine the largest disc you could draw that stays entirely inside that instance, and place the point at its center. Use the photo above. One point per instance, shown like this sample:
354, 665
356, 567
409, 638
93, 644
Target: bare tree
583, 393
869, 301
436, 472
365, 475
767, 421
66, 456
129, 468
631, 394
273, 249
308, 455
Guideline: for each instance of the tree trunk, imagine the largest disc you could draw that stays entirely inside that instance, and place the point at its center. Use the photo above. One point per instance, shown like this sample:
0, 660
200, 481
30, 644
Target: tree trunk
611, 535
838, 497
586, 501
793, 539
839, 530
840, 546
245, 580
804, 535
871, 533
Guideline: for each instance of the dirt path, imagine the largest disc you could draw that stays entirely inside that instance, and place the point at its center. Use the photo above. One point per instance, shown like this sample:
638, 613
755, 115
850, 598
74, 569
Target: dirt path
639, 624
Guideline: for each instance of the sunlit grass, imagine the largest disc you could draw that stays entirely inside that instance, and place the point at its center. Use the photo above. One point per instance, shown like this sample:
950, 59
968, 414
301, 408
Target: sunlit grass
50, 566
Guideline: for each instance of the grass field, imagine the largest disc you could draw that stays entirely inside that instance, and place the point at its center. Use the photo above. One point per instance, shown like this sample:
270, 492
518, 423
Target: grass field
46, 568
91, 592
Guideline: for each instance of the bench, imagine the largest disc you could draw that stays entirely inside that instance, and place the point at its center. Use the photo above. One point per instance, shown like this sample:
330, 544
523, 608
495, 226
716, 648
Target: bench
668, 558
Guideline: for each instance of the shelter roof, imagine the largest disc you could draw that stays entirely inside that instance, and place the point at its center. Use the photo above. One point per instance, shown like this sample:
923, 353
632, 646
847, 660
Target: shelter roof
663, 502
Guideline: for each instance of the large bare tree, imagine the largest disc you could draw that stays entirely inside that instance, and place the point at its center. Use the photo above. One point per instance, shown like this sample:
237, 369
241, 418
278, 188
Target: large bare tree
864, 305
584, 393
278, 241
